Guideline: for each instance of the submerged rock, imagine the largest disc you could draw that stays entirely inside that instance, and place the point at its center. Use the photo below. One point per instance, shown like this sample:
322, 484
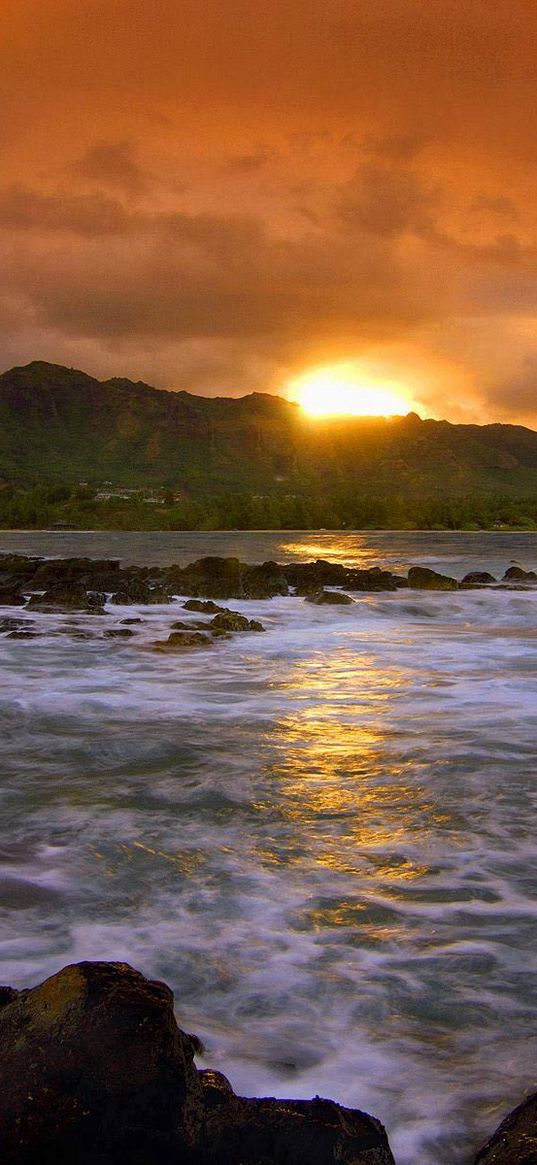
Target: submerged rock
95, 1071
515, 1140
182, 641
329, 598
232, 621
423, 579
204, 605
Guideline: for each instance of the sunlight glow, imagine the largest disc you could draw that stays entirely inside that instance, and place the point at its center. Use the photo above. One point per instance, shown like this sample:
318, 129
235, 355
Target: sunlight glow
345, 390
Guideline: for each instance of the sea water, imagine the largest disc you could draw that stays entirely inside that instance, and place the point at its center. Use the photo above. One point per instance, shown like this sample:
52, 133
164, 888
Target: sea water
323, 837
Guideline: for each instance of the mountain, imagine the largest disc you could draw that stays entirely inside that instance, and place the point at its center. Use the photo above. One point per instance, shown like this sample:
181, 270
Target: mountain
60, 425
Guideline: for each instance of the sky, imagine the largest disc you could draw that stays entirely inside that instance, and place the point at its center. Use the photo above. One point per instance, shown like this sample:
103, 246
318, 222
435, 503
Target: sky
224, 196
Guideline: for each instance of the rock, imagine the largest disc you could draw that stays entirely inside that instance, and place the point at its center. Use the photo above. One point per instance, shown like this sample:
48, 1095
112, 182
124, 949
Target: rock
118, 633
213, 578
95, 1070
22, 635
70, 597
128, 622
192, 625
311, 577
329, 598
232, 621
204, 605
10, 624
517, 574
477, 578
515, 1140
262, 582
422, 579
12, 598
182, 641
239, 1131
139, 591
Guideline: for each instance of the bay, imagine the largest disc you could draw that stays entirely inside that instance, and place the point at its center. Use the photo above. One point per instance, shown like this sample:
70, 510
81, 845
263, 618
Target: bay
322, 837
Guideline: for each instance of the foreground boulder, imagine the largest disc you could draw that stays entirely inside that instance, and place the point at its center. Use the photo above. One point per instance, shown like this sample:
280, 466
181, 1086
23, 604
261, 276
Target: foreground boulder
515, 1141
95, 1071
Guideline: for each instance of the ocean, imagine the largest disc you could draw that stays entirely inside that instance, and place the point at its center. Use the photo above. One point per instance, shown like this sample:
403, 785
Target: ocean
323, 838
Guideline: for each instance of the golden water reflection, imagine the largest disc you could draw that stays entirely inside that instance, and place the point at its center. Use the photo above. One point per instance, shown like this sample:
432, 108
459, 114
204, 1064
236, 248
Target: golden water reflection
329, 545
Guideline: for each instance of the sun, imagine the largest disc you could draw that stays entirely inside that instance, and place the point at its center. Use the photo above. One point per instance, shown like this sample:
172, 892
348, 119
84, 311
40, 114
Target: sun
345, 390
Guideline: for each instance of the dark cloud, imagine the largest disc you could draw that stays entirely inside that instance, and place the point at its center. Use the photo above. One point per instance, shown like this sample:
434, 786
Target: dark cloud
24, 209
115, 165
387, 202
499, 206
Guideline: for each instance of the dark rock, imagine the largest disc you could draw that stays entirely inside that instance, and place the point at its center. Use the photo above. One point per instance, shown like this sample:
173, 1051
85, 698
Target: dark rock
127, 622
69, 597
22, 635
262, 582
210, 578
232, 621
191, 625
329, 598
118, 633
12, 598
313, 576
95, 1071
13, 624
373, 580
86, 571
422, 579
477, 578
517, 574
310, 577
137, 590
182, 641
239, 1131
204, 605
515, 1140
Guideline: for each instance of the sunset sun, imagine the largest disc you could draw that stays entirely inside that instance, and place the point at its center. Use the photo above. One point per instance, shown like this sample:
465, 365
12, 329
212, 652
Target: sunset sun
343, 390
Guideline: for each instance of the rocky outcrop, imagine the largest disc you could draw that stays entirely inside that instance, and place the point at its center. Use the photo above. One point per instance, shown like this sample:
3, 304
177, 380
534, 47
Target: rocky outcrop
422, 579
518, 574
182, 641
264, 581
477, 578
308, 577
208, 578
329, 598
232, 621
95, 1071
69, 597
515, 1140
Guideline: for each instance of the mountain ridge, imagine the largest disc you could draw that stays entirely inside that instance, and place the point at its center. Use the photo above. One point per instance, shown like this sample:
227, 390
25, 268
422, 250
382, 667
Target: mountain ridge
59, 424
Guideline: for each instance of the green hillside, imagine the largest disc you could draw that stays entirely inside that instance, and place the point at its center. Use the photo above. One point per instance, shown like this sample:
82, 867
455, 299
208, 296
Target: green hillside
60, 427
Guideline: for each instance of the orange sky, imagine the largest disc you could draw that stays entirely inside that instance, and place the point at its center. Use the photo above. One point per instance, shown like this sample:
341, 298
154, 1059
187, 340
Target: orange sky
220, 195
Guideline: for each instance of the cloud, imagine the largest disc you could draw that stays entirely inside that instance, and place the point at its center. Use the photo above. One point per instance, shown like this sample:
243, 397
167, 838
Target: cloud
114, 165
386, 202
